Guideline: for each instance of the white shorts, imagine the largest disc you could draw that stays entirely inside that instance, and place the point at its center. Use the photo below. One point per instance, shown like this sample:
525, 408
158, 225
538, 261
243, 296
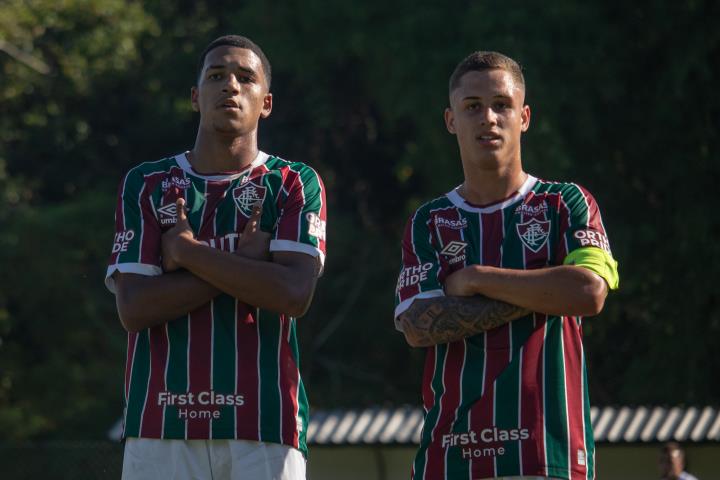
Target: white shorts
154, 459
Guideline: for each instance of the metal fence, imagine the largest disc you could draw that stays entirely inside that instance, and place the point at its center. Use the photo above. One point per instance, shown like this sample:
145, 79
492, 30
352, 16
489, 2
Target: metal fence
61, 460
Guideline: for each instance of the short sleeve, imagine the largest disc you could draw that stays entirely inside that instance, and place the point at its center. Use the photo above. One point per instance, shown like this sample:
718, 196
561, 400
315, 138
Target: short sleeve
302, 218
586, 243
418, 276
136, 244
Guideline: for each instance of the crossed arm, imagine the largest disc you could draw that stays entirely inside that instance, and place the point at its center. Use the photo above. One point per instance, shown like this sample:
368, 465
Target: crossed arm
196, 273
482, 298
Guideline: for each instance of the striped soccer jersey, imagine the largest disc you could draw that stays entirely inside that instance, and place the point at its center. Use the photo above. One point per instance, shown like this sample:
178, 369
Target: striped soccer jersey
227, 369
512, 401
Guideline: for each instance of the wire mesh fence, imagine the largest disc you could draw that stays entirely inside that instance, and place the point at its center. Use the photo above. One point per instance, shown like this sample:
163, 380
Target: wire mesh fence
61, 460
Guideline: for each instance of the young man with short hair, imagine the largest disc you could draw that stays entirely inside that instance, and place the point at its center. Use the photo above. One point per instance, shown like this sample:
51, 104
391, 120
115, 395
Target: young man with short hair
672, 463
496, 276
217, 251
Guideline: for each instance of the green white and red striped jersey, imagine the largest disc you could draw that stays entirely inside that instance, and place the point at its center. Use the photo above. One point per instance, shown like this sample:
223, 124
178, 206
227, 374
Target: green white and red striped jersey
512, 401
227, 369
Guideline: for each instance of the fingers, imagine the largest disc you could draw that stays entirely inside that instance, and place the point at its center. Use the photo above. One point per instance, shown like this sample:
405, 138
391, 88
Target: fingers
253, 224
180, 209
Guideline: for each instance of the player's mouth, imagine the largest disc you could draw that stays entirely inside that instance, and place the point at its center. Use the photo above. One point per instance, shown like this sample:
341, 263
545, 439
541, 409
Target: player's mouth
229, 104
489, 139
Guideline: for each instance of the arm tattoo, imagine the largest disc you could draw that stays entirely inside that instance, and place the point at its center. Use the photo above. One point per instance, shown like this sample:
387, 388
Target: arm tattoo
430, 321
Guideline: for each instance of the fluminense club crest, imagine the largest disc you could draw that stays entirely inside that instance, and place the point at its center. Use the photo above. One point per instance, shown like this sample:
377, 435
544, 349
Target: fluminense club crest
534, 233
247, 195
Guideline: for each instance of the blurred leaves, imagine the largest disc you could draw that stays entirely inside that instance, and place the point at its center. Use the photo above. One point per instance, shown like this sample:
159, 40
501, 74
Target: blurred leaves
60, 347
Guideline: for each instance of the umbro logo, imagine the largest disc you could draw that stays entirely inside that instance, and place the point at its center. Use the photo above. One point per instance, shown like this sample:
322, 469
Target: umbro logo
454, 248
168, 214
170, 209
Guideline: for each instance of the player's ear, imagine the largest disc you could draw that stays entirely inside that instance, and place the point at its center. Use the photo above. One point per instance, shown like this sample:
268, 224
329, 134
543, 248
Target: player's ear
450, 120
267, 105
194, 99
525, 118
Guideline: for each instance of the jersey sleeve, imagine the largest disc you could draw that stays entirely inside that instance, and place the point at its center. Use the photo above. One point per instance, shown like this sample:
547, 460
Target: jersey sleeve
302, 219
585, 242
420, 265
136, 244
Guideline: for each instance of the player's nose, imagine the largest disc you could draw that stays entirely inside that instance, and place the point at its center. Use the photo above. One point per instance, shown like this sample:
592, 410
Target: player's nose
232, 85
487, 116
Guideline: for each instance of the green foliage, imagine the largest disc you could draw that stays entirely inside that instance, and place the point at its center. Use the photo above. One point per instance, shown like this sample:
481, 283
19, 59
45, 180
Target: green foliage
62, 346
622, 102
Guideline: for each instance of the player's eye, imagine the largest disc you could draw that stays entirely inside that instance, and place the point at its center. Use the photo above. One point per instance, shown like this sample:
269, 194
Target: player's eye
501, 105
472, 106
214, 76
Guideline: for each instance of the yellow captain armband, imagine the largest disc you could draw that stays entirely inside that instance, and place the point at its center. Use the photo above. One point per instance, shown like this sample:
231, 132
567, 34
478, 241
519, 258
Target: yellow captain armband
598, 261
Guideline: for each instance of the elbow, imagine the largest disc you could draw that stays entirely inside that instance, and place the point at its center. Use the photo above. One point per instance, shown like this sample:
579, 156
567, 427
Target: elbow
131, 321
130, 317
413, 341
412, 336
594, 294
130, 325
417, 341
297, 301
297, 310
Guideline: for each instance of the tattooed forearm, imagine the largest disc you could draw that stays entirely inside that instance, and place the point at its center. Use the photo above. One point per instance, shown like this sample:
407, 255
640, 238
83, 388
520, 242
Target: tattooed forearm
431, 321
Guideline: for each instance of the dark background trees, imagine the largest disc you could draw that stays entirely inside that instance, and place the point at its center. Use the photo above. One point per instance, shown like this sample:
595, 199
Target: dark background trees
623, 100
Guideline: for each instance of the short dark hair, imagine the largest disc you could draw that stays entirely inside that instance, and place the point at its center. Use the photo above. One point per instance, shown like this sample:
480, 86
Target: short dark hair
241, 42
480, 61
670, 447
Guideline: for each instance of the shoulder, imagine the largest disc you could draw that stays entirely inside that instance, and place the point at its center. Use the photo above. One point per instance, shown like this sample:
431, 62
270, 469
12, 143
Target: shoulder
295, 175
570, 193
139, 172
436, 203
562, 188
146, 176
276, 163
423, 213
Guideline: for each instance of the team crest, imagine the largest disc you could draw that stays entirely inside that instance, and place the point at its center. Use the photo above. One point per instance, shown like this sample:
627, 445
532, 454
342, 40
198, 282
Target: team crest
247, 195
534, 233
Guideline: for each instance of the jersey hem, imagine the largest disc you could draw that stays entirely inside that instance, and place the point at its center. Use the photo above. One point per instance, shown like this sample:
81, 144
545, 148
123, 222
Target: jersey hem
220, 435
139, 268
405, 304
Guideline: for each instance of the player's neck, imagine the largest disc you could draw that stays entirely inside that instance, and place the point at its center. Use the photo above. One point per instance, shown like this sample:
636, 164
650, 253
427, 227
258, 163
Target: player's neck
484, 187
215, 154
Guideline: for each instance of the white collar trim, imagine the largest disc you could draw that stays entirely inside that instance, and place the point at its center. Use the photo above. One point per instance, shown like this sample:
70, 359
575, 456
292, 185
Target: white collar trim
182, 161
460, 202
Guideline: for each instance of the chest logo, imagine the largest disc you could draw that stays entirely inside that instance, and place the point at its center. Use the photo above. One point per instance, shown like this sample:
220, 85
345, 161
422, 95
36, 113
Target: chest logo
168, 214
175, 182
247, 195
455, 250
459, 224
534, 233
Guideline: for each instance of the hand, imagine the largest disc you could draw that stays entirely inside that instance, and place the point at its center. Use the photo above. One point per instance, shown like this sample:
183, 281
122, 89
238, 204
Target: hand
253, 242
462, 282
176, 238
